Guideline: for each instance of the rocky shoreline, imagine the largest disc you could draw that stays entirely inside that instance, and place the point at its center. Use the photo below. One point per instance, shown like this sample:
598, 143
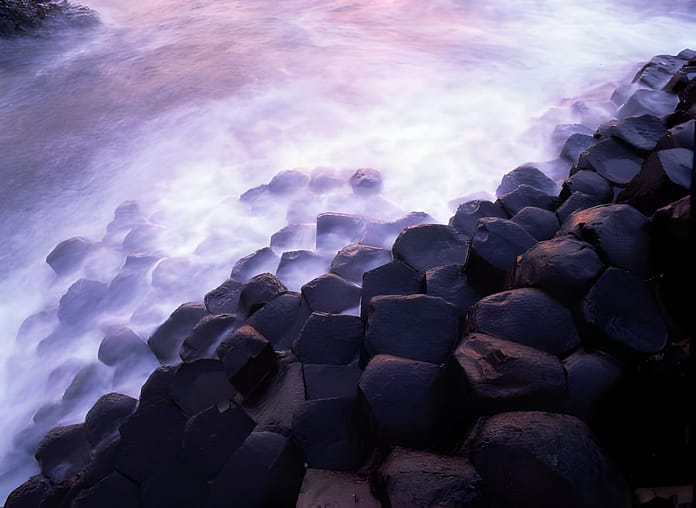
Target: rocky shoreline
533, 352
26, 16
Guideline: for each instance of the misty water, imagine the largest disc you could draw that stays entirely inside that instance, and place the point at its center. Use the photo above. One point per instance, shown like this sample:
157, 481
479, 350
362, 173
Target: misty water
182, 106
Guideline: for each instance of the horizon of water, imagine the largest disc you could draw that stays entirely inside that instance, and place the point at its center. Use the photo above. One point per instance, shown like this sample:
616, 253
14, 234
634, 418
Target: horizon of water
183, 106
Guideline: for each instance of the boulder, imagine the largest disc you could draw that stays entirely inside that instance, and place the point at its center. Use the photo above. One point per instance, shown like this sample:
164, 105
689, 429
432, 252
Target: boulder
112, 491
68, 255
353, 260
29, 494
329, 381
329, 339
659, 70
623, 310
261, 261
335, 230
588, 182
331, 293
206, 335
526, 175
679, 136
299, 266
653, 102
157, 387
428, 245
335, 488
294, 237
575, 145
63, 452
383, 234
526, 316
82, 302
366, 181
106, 416
611, 160
417, 327
288, 182
499, 375
450, 282
224, 298
198, 385
641, 133
541, 224
576, 201
325, 179
524, 196
537, 459
166, 341
281, 320
395, 278
174, 486
122, 346
256, 293
468, 214
247, 358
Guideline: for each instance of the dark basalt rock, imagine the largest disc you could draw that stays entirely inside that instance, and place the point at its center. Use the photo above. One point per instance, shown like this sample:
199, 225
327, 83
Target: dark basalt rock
494, 250
575, 145
331, 293
590, 183
526, 316
394, 278
294, 237
266, 470
450, 283
383, 234
157, 388
526, 175
618, 232
665, 177
68, 255
404, 400
541, 224
150, 439
206, 336
420, 478
653, 102
287, 182
611, 160
577, 201
261, 261
224, 298
29, 494
256, 293
428, 245
679, 136
175, 485
63, 452
417, 327
170, 335
19, 17
468, 214
524, 196
212, 436
113, 491
332, 433
334, 488
121, 347
353, 260
539, 460
296, 267
106, 416
335, 230
81, 302
329, 339
330, 381
499, 375
659, 70
641, 133
366, 181
199, 385
563, 267
281, 320
623, 309
248, 359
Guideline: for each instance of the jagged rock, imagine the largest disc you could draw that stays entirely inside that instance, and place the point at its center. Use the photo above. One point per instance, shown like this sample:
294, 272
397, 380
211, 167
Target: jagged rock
67, 256
81, 302
468, 214
353, 260
297, 267
611, 160
575, 145
335, 230
450, 283
653, 102
63, 452
524, 196
332, 433
198, 385
331, 293
334, 488
623, 309
329, 339
420, 478
618, 232
537, 459
577, 201
248, 359
500, 375
366, 181
394, 278
590, 183
665, 177
428, 245
212, 436
639, 132
541, 224
526, 175
563, 267
29, 494
494, 249
224, 298
174, 486
288, 181
123, 346
526, 316
383, 234
294, 236
281, 320
256, 293
261, 261
417, 327
206, 335
113, 491
266, 470
170, 335
330, 381
106, 416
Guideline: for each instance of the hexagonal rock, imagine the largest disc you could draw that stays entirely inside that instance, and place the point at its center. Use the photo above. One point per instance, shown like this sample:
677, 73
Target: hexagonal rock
659, 70
395, 278
654, 102
611, 160
81, 302
500, 375
383, 234
526, 175
353, 260
112, 491
563, 267
541, 224
266, 470
248, 358
544, 460
256, 293
618, 232
329, 339
206, 335
331, 293
174, 485
419, 478
332, 433
590, 183
166, 341
211, 436
287, 181
665, 177
157, 387
575, 145
639, 132
623, 308
679, 136
526, 316
261, 261
450, 283
63, 452
404, 399
333, 488
335, 230
106, 416
326, 381
494, 250
524, 196
294, 236
198, 385
576, 201
417, 327
298, 266
468, 214
29, 494
428, 245
67, 256
122, 346
224, 298
281, 320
